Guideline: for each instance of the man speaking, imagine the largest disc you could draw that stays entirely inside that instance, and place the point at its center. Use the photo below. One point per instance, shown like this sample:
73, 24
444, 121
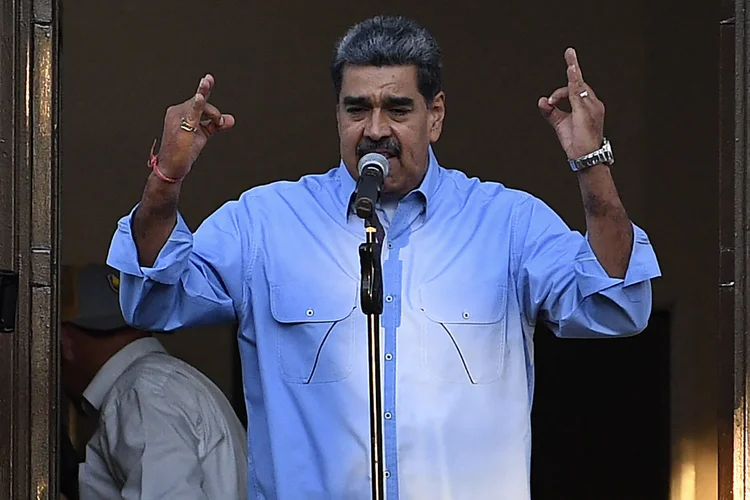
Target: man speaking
468, 269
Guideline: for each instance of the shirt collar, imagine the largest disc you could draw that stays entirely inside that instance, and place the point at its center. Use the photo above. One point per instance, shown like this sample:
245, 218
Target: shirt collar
115, 366
427, 188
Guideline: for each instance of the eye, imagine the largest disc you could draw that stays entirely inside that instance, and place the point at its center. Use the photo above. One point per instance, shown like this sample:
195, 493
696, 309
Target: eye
354, 110
400, 111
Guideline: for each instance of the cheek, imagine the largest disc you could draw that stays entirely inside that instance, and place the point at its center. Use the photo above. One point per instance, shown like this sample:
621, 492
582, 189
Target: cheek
350, 133
413, 156
348, 143
415, 137
412, 153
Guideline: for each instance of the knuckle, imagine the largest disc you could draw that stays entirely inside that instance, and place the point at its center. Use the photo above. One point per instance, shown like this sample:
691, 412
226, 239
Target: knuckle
169, 113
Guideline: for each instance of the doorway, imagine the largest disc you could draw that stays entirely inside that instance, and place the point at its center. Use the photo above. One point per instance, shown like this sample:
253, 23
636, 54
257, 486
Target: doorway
600, 423
641, 56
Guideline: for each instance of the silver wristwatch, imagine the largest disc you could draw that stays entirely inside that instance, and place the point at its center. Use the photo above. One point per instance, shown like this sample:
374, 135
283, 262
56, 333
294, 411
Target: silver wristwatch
601, 155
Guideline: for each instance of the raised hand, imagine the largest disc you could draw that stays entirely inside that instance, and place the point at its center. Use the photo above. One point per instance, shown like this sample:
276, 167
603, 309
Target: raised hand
581, 130
187, 128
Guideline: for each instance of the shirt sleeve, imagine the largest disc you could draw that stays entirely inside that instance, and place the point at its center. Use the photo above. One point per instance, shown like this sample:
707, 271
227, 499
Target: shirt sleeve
153, 448
561, 281
197, 278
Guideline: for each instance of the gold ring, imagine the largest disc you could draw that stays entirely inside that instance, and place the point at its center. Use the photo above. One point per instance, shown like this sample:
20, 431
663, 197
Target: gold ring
185, 125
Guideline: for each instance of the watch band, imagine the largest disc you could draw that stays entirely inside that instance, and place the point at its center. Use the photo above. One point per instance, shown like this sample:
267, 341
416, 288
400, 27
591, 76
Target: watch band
601, 155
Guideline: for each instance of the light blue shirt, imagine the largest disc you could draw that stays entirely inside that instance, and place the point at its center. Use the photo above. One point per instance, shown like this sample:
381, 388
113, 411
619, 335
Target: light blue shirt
468, 267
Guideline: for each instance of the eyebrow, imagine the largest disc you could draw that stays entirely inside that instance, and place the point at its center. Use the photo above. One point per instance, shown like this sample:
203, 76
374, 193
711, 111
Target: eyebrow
399, 101
389, 101
356, 101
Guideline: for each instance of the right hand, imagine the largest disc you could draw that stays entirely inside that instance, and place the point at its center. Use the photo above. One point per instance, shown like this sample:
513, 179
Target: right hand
180, 148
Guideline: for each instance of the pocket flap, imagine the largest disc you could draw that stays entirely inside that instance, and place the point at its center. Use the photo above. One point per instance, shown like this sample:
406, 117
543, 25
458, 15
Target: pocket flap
303, 304
465, 303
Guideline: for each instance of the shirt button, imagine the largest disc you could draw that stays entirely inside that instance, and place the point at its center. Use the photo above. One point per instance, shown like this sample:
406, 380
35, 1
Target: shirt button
466, 315
388, 415
387, 474
388, 298
309, 312
390, 245
388, 356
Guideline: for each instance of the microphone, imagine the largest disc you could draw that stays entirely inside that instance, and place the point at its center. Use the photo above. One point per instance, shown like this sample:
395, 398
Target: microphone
373, 169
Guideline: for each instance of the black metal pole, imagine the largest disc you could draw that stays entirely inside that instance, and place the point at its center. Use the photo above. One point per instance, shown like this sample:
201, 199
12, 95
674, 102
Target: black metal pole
372, 306
376, 424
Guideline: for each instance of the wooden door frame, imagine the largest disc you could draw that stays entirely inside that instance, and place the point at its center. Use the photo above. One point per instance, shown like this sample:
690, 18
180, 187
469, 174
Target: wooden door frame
734, 285
29, 173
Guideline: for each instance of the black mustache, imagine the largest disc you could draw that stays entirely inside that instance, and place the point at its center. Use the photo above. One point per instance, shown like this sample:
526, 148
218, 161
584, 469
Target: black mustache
388, 145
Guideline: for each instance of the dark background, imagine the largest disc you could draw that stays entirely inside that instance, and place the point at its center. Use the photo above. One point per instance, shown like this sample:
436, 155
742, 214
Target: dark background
607, 412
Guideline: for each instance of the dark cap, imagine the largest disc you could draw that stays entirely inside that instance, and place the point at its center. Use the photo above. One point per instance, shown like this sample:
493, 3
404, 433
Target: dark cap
89, 297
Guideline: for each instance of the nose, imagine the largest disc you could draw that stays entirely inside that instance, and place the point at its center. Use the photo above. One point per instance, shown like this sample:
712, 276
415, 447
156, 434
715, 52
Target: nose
377, 126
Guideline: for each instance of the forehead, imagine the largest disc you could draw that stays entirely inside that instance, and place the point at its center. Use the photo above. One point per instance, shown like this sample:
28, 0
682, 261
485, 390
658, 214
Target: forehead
377, 81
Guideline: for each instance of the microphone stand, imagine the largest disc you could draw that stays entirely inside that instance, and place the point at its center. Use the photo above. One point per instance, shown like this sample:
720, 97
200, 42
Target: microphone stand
371, 296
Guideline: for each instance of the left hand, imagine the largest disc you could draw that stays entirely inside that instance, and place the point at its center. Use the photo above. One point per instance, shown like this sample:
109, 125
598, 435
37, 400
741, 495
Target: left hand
581, 130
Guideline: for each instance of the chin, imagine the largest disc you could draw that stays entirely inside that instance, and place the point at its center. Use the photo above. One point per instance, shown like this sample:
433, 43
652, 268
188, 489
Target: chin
395, 187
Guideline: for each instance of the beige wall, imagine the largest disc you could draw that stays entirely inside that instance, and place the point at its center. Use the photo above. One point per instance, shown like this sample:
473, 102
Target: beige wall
125, 62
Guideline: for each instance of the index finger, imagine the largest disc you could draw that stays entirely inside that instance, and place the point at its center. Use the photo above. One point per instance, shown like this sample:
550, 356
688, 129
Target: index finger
206, 85
575, 76
198, 102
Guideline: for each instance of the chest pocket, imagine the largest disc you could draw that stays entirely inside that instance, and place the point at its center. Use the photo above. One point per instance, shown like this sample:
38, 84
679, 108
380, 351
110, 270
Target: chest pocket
314, 331
464, 335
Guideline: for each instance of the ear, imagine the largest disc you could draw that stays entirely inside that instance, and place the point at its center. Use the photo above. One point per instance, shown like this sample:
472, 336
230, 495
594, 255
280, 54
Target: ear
66, 344
436, 116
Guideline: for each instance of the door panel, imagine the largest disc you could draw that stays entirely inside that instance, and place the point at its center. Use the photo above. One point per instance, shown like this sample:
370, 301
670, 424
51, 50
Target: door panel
28, 246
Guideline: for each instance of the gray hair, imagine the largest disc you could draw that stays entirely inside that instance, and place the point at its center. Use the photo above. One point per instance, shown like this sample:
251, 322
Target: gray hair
391, 41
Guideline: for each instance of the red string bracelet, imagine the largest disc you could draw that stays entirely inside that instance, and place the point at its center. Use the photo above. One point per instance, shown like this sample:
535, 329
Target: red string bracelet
153, 164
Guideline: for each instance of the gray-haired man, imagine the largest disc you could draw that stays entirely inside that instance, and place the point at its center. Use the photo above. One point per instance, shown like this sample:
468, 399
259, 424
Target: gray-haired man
468, 267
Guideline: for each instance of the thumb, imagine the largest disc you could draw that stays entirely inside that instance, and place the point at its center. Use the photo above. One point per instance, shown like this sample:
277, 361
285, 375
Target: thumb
552, 114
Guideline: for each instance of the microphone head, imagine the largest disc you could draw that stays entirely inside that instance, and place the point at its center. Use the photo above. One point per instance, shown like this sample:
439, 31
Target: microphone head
374, 160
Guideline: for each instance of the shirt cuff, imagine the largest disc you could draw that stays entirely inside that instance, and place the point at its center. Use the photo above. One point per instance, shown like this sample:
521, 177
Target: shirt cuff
592, 278
171, 261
